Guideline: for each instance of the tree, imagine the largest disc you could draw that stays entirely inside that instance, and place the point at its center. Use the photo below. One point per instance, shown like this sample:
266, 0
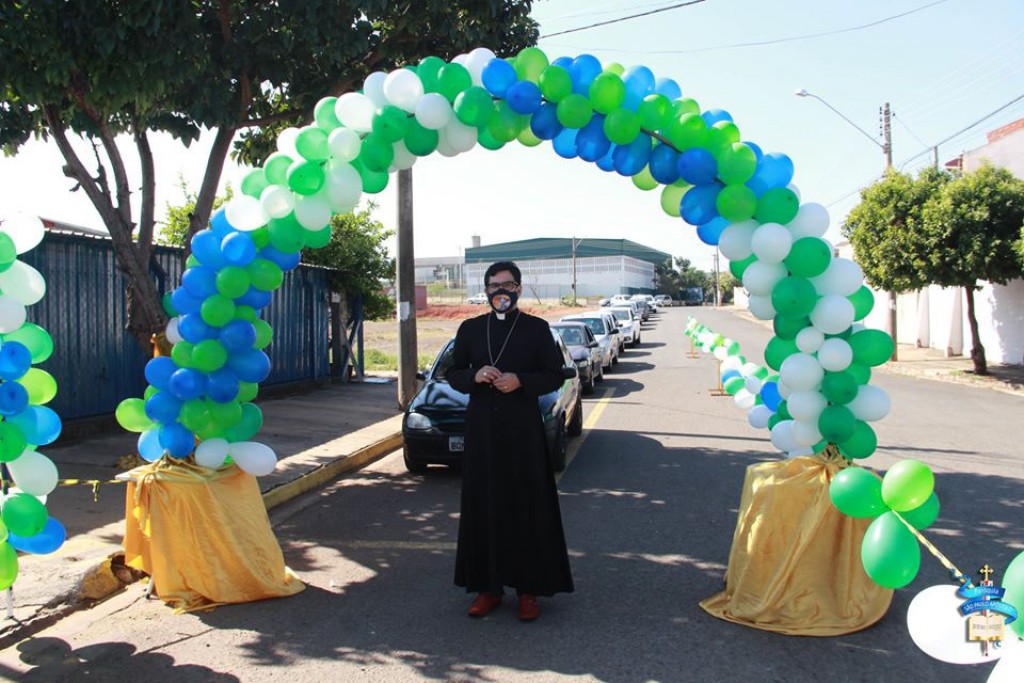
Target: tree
176, 227
726, 284
114, 73
971, 224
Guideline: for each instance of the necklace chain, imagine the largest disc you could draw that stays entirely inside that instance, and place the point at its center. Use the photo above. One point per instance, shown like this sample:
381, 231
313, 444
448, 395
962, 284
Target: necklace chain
490, 354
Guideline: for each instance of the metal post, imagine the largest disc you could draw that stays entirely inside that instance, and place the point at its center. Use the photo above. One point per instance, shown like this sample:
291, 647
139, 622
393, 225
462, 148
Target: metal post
887, 150
718, 287
406, 274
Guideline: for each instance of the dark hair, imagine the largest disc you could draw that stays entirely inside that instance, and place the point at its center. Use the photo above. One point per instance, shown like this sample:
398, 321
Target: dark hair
499, 266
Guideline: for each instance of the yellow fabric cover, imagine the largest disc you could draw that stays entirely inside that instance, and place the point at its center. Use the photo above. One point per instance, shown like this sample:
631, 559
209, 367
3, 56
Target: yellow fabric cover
203, 536
795, 567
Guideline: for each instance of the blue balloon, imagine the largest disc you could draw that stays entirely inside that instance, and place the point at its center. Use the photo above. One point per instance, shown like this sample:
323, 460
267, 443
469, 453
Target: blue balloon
13, 398
630, 159
710, 232
524, 97
250, 366
698, 204
184, 302
668, 88
591, 142
238, 249
773, 170
163, 406
639, 82
206, 248
222, 386
713, 116
697, 166
200, 281
729, 374
159, 371
40, 425
758, 152
194, 329
176, 439
284, 261
607, 162
256, 298
565, 143
663, 164
187, 384
544, 123
149, 446
584, 70
238, 336
219, 224
564, 62
770, 395
50, 538
15, 360
498, 76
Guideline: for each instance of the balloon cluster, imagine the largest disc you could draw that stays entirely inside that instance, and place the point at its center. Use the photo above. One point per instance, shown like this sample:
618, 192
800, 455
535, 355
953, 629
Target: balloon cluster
27, 423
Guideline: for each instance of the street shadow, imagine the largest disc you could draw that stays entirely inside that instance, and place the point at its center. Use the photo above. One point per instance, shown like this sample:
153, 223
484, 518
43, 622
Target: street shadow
628, 366
621, 386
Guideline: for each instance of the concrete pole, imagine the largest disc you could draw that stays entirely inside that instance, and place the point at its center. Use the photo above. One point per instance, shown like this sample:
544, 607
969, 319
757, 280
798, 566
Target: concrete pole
887, 150
406, 299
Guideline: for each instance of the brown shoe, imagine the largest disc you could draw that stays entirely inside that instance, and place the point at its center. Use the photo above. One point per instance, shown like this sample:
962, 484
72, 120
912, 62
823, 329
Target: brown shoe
484, 603
528, 608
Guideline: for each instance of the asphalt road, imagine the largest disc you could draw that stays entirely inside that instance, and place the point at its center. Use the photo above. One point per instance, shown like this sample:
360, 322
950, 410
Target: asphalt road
649, 504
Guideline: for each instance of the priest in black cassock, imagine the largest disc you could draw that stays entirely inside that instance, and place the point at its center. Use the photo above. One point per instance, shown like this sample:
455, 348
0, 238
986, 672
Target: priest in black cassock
510, 529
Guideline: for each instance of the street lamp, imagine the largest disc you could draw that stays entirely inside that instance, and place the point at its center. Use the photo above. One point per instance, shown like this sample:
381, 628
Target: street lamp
886, 146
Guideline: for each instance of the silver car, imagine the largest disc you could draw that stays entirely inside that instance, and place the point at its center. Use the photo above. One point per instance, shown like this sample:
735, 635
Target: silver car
604, 332
629, 323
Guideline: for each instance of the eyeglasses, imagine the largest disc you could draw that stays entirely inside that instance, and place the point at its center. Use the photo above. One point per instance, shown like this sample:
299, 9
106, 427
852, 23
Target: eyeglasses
495, 286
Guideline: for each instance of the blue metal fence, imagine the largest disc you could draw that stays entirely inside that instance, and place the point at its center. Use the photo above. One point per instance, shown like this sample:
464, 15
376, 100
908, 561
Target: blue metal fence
97, 363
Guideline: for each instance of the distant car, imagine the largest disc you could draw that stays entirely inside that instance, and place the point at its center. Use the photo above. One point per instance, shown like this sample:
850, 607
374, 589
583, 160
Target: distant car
480, 298
606, 331
664, 300
645, 308
434, 425
585, 350
629, 323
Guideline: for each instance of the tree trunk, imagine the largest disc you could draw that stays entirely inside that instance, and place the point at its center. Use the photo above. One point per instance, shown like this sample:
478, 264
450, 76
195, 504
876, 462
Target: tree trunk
208, 190
977, 350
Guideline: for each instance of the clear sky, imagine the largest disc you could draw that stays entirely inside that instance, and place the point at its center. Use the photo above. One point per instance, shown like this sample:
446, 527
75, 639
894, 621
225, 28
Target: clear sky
942, 67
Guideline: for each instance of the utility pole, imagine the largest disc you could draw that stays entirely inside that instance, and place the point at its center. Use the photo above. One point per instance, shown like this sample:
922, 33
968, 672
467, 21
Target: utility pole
406, 299
718, 289
575, 242
886, 122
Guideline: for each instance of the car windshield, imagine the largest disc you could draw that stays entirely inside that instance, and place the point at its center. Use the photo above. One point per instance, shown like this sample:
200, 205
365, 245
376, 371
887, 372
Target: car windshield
621, 314
596, 325
572, 336
443, 363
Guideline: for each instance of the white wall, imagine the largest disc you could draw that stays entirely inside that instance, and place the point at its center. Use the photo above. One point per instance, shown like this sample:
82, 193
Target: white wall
595, 276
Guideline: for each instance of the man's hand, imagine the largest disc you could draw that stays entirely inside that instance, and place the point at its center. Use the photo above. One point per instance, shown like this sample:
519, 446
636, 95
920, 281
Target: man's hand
507, 382
487, 375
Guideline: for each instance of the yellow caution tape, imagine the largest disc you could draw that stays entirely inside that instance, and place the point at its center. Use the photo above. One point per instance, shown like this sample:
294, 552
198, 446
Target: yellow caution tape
94, 483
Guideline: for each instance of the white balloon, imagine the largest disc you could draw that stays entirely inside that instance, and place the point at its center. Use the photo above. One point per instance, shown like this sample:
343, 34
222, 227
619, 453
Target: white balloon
759, 415
253, 457
1010, 668
794, 189
286, 142
771, 243
734, 241
277, 201
445, 148
212, 453
313, 212
477, 61
805, 432
403, 89
761, 307
744, 399
806, 405
34, 473
801, 372
404, 159
24, 230
833, 314
246, 213
752, 384
782, 436
809, 339
343, 186
937, 627
842, 277
748, 369
171, 331
460, 59
373, 87
761, 277
800, 452
344, 144
720, 353
433, 111
12, 314
24, 283
732, 363
811, 221
461, 137
784, 390
835, 355
355, 111
870, 404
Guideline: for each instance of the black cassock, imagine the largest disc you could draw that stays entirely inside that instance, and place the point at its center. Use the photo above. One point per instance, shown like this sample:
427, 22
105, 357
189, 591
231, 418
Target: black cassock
510, 529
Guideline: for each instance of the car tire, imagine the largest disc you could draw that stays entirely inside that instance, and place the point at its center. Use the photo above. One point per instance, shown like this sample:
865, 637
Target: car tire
557, 454
412, 465
588, 386
576, 425
600, 373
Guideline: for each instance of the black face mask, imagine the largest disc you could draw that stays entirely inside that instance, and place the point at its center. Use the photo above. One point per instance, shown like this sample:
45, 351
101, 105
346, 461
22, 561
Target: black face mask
503, 300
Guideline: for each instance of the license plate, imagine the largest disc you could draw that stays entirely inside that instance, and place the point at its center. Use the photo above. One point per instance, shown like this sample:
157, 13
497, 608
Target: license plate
456, 444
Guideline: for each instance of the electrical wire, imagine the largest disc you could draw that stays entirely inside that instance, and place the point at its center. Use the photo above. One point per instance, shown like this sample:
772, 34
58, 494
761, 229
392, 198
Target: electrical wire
965, 129
607, 9
627, 18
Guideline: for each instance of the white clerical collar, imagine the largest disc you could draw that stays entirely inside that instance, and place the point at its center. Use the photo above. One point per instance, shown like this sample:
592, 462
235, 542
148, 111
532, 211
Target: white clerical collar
500, 316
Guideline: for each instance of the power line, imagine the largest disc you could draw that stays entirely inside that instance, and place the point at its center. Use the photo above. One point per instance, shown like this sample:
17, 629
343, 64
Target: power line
606, 9
632, 16
964, 130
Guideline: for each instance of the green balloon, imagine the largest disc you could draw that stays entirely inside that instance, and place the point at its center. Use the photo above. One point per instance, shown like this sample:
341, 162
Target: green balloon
150, 392
217, 310
837, 423
655, 112
733, 385
672, 197
8, 564
809, 257
736, 203
391, 123
486, 139
233, 281
787, 326
453, 79
41, 386
305, 177
246, 313
871, 347
857, 492
318, 239
275, 168
907, 485
607, 92
181, 354
555, 83
195, 415
622, 126
286, 234
373, 181
574, 111
863, 301
192, 262
250, 423
428, 70
419, 140
130, 414
247, 391
778, 205
778, 350
474, 107
839, 387
717, 142
861, 444
924, 516
1013, 582
774, 420
311, 144
860, 373
264, 333
890, 553
794, 296
737, 163
687, 131
506, 124
530, 63
24, 515
526, 137
323, 114
685, 105
165, 301
34, 338
260, 237
782, 410
227, 414
729, 131
209, 355
644, 180
264, 275
376, 154
254, 182
737, 268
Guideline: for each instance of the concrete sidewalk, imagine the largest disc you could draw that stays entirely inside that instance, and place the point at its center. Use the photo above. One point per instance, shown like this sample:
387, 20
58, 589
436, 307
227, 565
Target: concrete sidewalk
318, 436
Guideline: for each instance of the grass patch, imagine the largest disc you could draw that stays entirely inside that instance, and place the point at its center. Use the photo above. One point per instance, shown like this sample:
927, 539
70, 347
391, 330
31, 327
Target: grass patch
375, 359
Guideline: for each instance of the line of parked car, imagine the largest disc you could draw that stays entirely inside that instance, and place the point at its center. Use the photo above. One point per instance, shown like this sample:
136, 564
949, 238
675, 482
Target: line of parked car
591, 344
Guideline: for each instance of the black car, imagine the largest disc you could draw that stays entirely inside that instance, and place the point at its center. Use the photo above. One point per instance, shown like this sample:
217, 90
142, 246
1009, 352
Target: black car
434, 426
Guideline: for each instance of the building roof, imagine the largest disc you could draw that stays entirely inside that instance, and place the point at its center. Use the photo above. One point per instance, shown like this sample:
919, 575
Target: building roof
559, 247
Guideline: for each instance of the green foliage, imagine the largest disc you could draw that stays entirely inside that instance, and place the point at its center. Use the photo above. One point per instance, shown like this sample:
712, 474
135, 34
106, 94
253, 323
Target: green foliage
1018, 246
677, 274
358, 255
377, 360
174, 230
886, 230
726, 284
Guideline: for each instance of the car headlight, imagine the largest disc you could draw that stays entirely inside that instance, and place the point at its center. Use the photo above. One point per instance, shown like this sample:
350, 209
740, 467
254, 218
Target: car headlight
418, 421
